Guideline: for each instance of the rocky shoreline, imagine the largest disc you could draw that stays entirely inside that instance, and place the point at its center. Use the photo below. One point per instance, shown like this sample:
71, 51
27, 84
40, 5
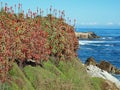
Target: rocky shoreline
103, 70
104, 65
86, 35
94, 71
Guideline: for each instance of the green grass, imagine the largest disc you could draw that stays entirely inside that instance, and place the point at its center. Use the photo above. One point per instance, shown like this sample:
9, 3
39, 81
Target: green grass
75, 72
97, 83
19, 80
66, 76
49, 66
47, 78
38, 76
69, 75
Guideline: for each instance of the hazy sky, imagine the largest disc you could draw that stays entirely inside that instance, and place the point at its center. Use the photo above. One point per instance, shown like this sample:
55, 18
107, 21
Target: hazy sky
87, 12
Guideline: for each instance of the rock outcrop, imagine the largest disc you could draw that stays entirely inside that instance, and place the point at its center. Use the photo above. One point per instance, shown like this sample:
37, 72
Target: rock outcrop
117, 71
95, 71
107, 66
86, 35
104, 65
91, 61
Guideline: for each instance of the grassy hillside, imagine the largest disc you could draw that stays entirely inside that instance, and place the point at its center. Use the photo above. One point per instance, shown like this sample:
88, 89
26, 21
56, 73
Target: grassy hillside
39, 53
66, 76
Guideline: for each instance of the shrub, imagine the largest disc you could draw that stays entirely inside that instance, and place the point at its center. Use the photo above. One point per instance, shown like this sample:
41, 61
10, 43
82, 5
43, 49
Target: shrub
33, 38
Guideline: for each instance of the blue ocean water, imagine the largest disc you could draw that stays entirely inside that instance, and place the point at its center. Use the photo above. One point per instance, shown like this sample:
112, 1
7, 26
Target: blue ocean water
107, 47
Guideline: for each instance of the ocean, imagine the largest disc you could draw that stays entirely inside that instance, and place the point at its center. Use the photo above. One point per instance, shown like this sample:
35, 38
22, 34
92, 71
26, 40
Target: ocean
107, 47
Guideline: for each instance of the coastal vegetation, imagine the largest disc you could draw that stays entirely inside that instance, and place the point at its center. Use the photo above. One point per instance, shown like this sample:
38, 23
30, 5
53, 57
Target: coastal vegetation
39, 52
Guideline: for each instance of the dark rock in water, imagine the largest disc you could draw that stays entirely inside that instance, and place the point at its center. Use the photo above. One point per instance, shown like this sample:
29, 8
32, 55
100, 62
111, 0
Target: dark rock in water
92, 35
86, 35
91, 61
107, 66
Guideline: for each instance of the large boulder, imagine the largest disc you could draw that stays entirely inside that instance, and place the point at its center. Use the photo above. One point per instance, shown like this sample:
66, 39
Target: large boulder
107, 66
91, 61
117, 71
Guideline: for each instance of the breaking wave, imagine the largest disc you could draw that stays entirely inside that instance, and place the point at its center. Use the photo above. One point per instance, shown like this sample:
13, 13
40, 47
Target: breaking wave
98, 43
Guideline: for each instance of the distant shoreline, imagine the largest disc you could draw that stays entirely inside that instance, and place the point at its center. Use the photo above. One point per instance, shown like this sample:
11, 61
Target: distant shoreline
86, 35
97, 28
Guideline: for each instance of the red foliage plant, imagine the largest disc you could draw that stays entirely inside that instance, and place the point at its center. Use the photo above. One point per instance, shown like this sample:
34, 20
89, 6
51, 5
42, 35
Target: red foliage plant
24, 38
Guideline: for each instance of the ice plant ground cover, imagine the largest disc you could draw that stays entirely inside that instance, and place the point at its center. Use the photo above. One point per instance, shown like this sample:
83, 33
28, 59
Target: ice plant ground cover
34, 37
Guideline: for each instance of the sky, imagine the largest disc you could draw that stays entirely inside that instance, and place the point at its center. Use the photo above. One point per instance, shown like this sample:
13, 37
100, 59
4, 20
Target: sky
88, 13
